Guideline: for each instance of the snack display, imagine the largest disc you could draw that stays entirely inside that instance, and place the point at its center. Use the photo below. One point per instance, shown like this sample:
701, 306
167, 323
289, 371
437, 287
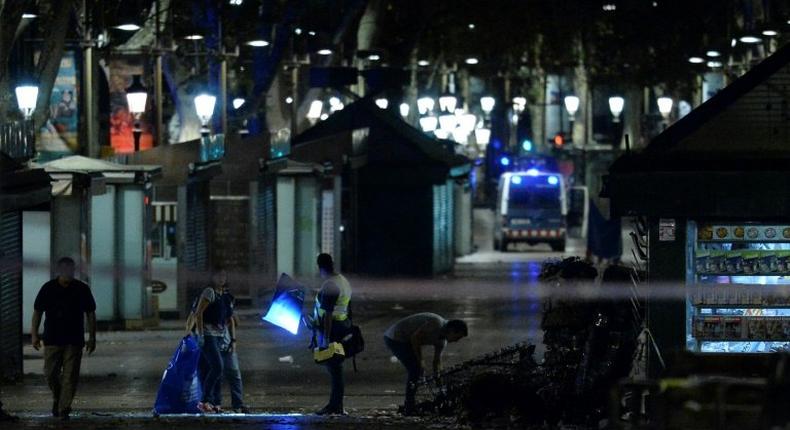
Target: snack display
741, 328
741, 299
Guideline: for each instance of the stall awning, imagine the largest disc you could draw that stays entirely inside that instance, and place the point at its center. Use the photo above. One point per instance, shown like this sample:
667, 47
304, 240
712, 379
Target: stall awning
112, 172
730, 157
180, 163
21, 186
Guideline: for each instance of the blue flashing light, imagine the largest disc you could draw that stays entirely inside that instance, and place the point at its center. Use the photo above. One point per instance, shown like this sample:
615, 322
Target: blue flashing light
533, 172
553, 180
516, 180
505, 161
526, 145
285, 312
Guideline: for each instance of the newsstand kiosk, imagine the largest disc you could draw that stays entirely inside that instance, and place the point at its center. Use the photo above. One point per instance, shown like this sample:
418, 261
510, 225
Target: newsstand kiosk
713, 191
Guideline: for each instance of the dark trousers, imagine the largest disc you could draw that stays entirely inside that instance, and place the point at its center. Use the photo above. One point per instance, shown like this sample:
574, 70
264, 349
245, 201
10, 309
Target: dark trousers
335, 366
212, 359
405, 354
232, 374
62, 370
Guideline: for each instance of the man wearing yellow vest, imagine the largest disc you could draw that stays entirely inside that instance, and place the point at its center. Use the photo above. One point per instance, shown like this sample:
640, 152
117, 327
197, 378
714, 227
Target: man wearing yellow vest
333, 324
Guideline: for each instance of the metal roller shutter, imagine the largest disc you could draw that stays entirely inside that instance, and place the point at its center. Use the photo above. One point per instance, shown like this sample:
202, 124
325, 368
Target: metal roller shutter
11, 295
266, 243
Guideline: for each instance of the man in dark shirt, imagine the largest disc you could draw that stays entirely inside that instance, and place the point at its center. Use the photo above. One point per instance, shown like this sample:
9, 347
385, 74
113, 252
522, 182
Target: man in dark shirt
64, 302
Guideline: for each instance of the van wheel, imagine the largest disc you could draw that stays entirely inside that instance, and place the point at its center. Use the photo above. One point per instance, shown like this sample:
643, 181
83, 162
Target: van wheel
558, 246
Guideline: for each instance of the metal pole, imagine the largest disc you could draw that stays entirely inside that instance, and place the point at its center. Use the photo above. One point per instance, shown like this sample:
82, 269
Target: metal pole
223, 92
91, 136
159, 126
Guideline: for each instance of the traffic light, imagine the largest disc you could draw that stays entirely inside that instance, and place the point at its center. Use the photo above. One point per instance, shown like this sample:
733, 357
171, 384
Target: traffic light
559, 140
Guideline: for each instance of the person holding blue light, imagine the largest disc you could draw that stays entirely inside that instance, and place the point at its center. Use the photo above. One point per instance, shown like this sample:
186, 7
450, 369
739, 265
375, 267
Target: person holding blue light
333, 324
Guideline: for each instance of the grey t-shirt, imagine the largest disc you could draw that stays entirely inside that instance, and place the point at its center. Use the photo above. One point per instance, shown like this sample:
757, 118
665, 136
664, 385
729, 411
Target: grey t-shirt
430, 323
212, 329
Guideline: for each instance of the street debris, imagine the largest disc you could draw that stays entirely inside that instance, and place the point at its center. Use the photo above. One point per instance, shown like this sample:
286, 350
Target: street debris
590, 345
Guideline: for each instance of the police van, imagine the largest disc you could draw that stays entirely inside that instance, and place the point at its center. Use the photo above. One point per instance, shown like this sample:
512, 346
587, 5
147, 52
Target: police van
531, 207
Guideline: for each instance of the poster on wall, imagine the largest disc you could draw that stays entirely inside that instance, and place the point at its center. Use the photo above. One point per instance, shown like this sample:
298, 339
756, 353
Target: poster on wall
121, 72
58, 136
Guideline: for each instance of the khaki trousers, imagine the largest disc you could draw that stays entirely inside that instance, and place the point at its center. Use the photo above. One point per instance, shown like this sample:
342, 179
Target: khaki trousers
62, 370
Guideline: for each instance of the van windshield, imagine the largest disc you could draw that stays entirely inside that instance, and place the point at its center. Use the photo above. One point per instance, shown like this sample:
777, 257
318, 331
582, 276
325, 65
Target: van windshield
534, 197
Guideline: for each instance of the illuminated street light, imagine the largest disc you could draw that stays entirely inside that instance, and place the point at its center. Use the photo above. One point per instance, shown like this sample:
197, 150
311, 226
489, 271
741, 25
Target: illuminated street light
571, 105
204, 106
289, 100
472, 61
374, 57
423, 63
696, 60
770, 33
325, 51
616, 105
448, 122
238, 102
447, 102
382, 103
487, 103
404, 109
258, 43
429, 123
193, 37
482, 136
314, 112
713, 53
467, 122
26, 97
715, 64
425, 105
519, 104
136, 96
750, 39
665, 106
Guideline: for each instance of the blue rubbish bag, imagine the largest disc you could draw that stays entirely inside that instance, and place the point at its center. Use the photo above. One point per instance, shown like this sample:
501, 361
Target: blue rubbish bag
180, 390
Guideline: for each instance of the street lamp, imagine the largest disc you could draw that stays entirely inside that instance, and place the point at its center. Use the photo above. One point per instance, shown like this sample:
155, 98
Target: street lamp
425, 105
665, 106
204, 106
428, 123
238, 102
519, 104
487, 103
616, 105
482, 136
448, 122
572, 106
382, 103
314, 112
136, 96
404, 109
26, 97
447, 102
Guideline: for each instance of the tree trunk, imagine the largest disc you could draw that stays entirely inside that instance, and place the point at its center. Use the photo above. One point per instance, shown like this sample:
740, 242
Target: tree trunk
10, 23
56, 20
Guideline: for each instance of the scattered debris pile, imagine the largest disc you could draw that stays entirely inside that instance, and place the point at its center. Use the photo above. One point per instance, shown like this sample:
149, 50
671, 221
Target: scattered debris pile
590, 344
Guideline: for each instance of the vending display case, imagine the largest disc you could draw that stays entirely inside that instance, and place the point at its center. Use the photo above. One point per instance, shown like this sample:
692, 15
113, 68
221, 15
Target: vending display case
738, 291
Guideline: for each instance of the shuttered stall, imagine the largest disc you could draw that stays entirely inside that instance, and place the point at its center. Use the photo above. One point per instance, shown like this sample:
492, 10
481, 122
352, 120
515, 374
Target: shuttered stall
193, 228
11, 295
230, 239
443, 227
264, 248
